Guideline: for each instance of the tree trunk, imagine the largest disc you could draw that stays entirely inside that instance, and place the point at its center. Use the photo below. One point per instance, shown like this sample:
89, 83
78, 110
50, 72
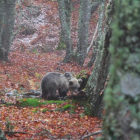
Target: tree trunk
100, 26
122, 97
1, 28
95, 5
65, 20
67, 12
83, 27
96, 82
2, 136
7, 17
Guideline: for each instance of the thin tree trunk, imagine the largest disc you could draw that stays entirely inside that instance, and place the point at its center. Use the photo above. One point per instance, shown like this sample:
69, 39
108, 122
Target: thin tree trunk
100, 26
2, 12
83, 28
122, 96
8, 13
65, 20
68, 10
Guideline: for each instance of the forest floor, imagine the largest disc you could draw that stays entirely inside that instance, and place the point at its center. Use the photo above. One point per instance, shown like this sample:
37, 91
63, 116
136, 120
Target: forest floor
29, 62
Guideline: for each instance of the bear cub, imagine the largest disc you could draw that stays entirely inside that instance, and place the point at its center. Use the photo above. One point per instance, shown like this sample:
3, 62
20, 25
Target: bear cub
54, 82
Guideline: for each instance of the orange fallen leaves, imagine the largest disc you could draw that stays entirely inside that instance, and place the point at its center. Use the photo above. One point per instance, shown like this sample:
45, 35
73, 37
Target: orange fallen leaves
50, 124
21, 72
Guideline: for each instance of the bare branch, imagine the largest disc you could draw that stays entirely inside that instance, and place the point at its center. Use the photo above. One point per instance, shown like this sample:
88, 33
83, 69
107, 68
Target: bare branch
92, 39
91, 134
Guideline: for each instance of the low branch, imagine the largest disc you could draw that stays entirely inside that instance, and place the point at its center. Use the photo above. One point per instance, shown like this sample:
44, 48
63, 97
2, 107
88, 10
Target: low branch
92, 38
91, 134
13, 132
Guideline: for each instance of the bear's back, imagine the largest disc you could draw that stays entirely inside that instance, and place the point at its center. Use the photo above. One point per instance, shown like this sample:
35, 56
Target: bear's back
55, 78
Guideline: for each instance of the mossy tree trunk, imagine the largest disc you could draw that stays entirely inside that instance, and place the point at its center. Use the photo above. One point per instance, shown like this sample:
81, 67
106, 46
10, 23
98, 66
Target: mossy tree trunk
100, 26
65, 7
83, 28
7, 20
96, 82
122, 97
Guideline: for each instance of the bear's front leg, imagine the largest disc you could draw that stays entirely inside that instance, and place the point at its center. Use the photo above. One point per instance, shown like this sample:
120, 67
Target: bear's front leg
63, 93
53, 94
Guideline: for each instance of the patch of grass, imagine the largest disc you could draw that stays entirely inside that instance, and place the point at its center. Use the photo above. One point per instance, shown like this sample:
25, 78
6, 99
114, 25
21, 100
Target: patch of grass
68, 107
31, 102
55, 102
37, 102
9, 104
44, 110
35, 111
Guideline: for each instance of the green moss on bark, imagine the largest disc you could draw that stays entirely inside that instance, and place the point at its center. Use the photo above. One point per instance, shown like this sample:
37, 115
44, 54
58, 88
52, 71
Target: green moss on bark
122, 98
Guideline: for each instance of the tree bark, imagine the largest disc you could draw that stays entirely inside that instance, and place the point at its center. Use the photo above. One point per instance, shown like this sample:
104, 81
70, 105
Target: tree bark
83, 28
122, 96
2, 9
7, 16
100, 26
95, 5
96, 82
65, 20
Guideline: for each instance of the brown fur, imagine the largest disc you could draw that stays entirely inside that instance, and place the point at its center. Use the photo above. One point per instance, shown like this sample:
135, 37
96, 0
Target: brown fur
54, 82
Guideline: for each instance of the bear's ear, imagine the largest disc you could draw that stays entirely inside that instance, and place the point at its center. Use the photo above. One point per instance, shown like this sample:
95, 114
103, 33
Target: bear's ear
70, 82
80, 81
67, 74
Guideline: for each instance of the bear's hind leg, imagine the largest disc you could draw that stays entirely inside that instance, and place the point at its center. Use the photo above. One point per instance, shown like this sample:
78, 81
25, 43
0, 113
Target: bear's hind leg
45, 94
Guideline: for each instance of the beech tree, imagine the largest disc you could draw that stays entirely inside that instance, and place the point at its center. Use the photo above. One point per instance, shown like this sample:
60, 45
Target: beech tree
7, 20
122, 97
86, 8
65, 7
96, 82
83, 29
99, 35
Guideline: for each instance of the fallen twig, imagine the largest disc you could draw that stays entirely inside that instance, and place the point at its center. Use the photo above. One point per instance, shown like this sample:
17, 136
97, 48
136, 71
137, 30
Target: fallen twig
91, 134
10, 132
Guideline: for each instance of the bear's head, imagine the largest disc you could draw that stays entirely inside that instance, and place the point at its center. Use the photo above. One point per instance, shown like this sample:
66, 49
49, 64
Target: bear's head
74, 85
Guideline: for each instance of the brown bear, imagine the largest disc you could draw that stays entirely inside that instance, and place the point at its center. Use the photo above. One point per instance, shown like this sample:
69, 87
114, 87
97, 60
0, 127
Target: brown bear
54, 82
